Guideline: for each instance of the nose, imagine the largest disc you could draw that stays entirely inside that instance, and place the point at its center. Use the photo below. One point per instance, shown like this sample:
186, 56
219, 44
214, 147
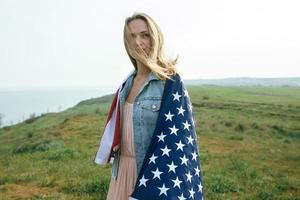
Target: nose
138, 41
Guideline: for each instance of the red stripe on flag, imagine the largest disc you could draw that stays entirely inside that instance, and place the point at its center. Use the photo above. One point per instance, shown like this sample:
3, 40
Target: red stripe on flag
115, 105
117, 129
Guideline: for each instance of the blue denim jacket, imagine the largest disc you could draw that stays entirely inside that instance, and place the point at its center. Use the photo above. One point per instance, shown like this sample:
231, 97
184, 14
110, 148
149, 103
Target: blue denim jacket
145, 112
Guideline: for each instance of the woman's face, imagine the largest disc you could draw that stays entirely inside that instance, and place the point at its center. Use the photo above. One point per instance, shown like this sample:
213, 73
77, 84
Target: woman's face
139, 36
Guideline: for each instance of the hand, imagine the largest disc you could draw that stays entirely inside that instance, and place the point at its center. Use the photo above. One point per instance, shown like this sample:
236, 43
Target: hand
116, 148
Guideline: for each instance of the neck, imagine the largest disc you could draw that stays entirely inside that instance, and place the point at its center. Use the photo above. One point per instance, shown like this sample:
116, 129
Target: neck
142, 70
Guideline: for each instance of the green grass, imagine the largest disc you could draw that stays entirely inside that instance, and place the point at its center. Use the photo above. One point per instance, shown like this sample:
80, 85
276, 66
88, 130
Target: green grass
248, 140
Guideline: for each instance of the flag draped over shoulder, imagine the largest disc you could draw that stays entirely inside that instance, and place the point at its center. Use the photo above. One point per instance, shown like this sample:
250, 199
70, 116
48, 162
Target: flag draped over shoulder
171, 168
111, 135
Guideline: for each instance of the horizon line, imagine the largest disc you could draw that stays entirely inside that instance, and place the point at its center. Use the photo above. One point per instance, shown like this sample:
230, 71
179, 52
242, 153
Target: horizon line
108, 86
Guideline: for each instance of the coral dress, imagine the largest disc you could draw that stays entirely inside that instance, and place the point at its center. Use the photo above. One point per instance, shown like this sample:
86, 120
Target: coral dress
123, 186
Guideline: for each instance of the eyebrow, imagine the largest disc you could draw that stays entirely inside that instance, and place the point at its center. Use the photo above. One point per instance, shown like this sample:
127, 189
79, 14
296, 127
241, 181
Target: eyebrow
140, 32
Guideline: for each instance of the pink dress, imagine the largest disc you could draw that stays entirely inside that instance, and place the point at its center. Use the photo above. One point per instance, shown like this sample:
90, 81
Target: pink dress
123, 186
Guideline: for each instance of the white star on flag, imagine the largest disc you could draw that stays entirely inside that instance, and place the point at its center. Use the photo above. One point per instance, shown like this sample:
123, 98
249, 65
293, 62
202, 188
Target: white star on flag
194, 154
186, 125
165, 151
173, 130
176, 96
177, 182
161, 137
189, 177
200, 187
180, 111
152, 159
169, 116
172, 167
192, 192
197, 173
181, 197
163, 190
193, 121
186, 93
190, 139
143, 181
190, 107
156, 173
183, 160
180, 145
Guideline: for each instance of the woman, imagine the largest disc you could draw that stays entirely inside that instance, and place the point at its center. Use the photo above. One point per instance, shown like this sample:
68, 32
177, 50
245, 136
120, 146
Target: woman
133, 122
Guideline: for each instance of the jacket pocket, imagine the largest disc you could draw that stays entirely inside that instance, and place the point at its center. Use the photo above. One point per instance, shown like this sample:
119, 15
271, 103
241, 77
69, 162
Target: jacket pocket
150, 109
151, 104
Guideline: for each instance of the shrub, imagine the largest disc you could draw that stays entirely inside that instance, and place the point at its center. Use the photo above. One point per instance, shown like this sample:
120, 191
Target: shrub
228, 124
42, 145
29, 135
98, 111
236, 137
32, 118
3, 180
240, 128
205, 97
47, 182
63, 124
278, 129
60, 155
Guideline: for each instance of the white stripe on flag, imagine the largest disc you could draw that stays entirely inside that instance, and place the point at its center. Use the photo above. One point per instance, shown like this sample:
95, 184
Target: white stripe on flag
103, 152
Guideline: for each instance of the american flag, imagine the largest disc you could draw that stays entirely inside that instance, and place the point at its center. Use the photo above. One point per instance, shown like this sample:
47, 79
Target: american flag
171, 168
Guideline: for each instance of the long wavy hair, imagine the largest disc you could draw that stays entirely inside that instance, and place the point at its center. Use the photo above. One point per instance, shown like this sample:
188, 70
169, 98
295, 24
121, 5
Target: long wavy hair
156, 61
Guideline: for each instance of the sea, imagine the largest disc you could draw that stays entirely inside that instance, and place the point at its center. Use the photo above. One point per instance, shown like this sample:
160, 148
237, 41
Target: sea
16, 105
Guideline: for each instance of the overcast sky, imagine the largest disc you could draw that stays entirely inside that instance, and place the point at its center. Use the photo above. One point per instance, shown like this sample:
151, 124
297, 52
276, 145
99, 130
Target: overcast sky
72, 43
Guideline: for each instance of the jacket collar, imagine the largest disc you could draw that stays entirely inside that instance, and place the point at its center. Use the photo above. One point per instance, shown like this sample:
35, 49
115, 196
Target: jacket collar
151, 76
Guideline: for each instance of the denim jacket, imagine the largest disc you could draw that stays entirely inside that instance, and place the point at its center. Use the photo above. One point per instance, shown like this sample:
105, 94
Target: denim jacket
145, 112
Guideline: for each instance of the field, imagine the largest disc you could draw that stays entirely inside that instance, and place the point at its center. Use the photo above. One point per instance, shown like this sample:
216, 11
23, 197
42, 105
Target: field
249, 141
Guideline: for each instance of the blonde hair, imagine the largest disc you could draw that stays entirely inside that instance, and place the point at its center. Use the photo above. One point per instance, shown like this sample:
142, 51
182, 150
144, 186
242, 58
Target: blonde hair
156, 61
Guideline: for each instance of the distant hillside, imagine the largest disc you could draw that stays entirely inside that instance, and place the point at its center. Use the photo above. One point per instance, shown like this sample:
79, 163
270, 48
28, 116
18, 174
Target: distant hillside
245, 81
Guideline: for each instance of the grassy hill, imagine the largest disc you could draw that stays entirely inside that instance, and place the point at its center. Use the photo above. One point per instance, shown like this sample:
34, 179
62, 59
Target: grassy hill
249, 140
246, 81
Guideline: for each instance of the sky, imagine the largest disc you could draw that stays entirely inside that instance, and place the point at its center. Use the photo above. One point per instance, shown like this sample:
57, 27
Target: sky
72, 43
